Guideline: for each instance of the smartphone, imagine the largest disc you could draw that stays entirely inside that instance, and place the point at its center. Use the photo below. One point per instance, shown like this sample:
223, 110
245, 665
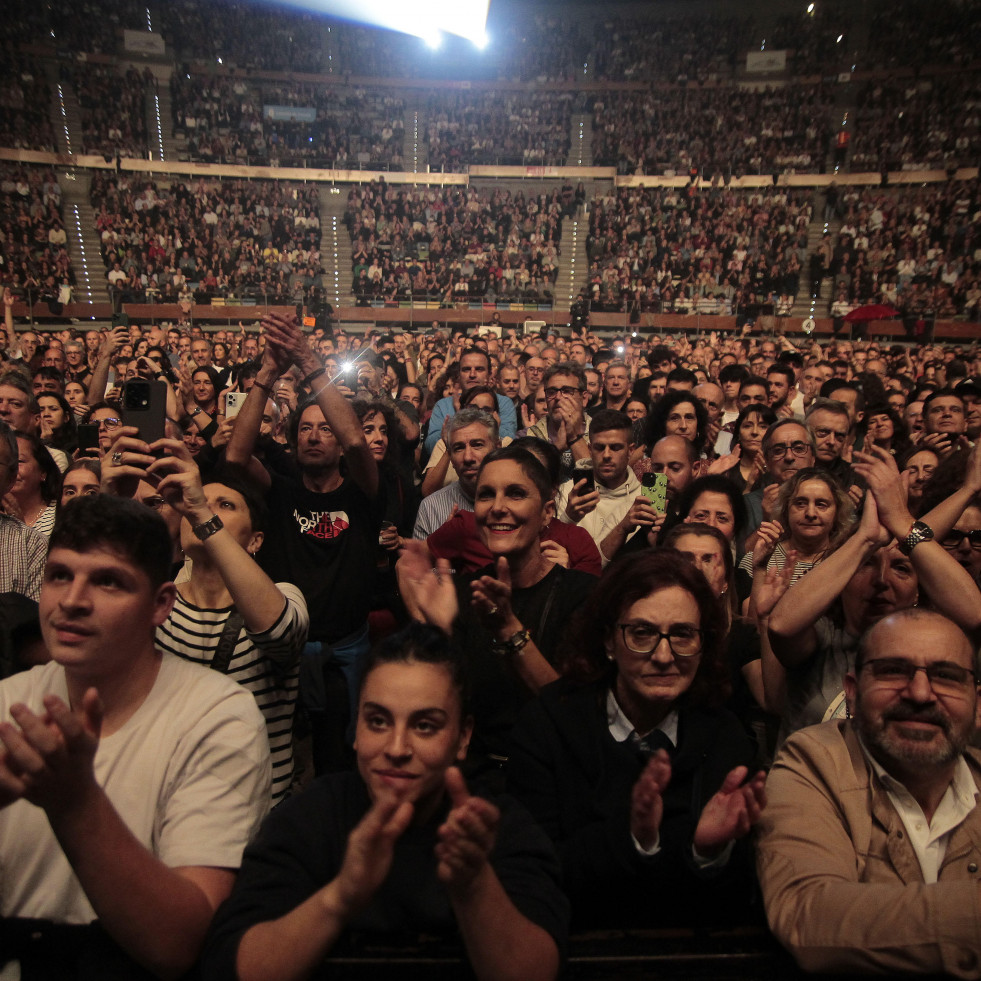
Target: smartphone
654, 486
88, 438
145, 406
233, 403
584, 471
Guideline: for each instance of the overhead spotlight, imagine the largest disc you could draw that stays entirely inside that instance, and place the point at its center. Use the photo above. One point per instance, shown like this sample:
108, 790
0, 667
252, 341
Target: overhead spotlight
480, 43
434, 41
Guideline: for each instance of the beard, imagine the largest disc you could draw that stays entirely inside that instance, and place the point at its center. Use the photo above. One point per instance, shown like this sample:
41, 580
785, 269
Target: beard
917, 748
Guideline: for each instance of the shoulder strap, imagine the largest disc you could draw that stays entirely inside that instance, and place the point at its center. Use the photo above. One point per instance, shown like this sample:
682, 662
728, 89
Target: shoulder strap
226, 643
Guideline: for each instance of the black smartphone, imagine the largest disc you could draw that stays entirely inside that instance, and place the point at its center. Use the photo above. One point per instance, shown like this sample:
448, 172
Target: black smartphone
584, 472
145, 407
88, 439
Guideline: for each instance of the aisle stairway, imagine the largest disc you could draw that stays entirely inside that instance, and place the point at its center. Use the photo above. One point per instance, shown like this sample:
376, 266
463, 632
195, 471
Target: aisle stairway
83, 238
572, 263
807, 305
335, 246
581, 137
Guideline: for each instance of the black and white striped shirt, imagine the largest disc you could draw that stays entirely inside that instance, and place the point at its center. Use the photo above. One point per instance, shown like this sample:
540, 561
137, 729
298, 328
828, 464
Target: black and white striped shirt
266, 663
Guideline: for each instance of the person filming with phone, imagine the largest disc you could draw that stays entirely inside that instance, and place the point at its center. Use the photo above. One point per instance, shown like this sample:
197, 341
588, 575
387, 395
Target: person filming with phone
598, 498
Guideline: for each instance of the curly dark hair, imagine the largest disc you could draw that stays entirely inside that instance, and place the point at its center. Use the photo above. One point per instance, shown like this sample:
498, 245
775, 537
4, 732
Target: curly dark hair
634, 578
655, 426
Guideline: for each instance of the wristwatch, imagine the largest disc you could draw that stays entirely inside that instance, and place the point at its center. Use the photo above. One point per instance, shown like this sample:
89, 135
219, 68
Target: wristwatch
208, 528
920, 532
515, 644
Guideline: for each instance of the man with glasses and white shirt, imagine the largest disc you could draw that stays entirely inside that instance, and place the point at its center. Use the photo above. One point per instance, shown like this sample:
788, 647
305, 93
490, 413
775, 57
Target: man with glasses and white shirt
870, 844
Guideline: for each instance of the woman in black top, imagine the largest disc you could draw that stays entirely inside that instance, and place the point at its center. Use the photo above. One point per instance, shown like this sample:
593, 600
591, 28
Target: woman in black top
629, 762
509, 617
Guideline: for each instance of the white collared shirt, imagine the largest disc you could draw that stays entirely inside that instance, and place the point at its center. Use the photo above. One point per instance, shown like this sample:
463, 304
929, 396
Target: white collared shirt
930, 838
621, 730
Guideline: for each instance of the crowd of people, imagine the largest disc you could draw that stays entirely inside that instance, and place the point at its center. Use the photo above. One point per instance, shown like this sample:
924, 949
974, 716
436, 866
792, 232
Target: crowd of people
914, 249
114, 110
192, 242
453, 244
224, 119
33, 241
25, 102
500, 128
680, 598
917, 124
705, 249
724, 129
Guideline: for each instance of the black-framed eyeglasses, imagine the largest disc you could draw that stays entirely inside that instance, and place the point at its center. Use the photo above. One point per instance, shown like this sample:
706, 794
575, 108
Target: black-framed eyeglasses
798, 448
551, 393
897, 672
641, 637
952, 540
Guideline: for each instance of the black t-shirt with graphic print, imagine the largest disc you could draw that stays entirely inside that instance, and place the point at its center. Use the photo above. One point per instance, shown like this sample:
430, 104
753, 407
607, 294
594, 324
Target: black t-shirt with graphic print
326, 545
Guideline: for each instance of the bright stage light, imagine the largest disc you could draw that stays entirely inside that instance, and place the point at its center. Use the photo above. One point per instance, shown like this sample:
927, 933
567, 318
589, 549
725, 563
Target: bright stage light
466, 18
481, 42
434, 41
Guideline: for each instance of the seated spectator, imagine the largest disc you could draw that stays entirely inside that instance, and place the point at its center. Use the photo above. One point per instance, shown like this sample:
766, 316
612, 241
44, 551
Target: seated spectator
459, 542
168, 760
628, 762
890, 563
441, 859
849, 882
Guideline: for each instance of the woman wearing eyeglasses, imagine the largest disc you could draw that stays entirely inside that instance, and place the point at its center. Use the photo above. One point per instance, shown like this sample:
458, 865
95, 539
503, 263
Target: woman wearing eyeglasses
629, 762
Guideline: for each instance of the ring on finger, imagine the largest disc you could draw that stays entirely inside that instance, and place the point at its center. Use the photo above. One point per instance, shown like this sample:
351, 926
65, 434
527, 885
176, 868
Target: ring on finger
117, 458
493, 609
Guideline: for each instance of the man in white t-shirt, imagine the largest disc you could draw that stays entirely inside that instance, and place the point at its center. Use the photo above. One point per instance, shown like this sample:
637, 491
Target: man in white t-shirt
130, 780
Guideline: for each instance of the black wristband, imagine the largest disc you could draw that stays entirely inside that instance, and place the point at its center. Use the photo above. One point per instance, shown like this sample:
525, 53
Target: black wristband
312, 377
266, 388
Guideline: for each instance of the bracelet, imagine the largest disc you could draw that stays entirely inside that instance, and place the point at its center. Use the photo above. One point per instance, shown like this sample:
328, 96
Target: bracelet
266, 388
208, 528
515, 644
313, 376
197, 411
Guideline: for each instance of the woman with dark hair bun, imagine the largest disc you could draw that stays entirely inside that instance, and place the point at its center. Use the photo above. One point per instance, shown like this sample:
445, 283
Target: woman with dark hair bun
398, 848
630, 763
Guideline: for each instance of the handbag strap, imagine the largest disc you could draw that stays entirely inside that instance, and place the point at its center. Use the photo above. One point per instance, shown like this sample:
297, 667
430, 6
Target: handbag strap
227, 641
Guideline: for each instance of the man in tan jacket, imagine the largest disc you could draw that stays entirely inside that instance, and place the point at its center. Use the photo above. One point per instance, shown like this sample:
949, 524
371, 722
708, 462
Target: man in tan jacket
870, 845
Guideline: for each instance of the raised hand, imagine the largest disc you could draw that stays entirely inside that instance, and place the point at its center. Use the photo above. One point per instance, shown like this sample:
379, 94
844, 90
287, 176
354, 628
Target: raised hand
369, 852
491, 597
646, 801
467, 836
125, 463
581, 501
882, 475
427, 590
731, 812
48, 759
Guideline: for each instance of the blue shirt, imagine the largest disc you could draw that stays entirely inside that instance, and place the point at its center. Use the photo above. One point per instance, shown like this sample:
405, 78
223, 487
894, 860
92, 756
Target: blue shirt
445, 408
